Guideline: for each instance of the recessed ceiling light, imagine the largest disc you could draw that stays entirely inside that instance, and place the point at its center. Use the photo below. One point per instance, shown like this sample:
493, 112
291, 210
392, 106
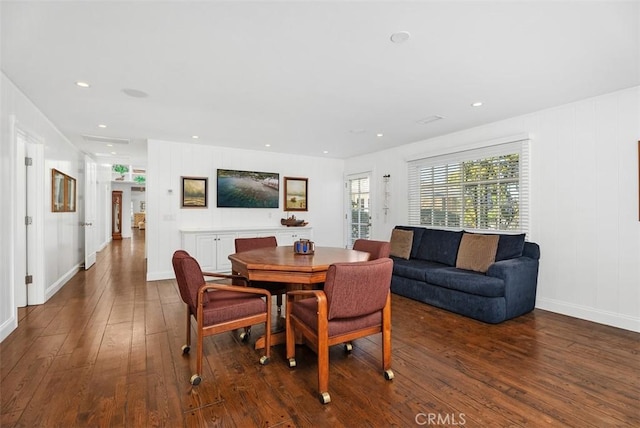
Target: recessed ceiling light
325, 151
400, 37
135, 93
82, 84
267, 145
195, 137
102, 126
113, 153
109, 145
379, 135
476, 104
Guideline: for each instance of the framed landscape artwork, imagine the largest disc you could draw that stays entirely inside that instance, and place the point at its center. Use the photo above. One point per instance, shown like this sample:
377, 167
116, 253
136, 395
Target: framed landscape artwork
194, 192
247, 189
295, 193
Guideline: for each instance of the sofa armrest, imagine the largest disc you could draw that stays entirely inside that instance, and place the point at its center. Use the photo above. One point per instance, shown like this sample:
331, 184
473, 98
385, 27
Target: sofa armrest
520, 276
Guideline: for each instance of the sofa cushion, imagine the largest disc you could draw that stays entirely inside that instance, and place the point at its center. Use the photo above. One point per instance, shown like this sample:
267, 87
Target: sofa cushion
414, 268
401, 243
509, 246
466, 281
477, 252
439, 246
417, 237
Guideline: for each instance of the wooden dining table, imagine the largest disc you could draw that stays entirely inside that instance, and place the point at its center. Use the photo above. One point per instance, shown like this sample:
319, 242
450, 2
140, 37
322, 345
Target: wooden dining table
297, 271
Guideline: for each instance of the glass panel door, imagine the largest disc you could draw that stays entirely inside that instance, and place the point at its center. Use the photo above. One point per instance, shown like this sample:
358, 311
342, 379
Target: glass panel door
360, 208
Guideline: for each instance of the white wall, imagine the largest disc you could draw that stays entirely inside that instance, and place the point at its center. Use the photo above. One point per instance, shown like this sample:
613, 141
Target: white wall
63, 244
168, 161
584, 200
8, 312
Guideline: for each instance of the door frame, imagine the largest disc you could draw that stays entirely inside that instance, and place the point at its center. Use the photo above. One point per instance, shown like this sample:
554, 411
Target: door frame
347, 204
89, 223
28, 254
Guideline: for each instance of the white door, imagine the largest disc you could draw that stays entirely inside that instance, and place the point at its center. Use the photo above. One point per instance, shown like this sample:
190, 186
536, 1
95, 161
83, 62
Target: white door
359, 207
90, 198
28, 248
21, 244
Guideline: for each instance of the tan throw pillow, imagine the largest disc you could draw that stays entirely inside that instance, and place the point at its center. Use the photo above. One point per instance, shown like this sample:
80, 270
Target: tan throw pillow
477, 252
401, 242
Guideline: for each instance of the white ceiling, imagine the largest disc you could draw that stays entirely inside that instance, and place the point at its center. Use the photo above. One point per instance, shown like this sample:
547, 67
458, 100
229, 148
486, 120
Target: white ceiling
308, 76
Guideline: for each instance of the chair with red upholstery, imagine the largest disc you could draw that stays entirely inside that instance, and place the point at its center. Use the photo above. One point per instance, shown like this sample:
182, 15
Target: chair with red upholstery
355, 303
376, 249
218, 308
277, 289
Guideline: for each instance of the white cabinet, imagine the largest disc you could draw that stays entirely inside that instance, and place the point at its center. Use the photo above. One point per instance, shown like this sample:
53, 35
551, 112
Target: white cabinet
212, 247
211, 250
292, 235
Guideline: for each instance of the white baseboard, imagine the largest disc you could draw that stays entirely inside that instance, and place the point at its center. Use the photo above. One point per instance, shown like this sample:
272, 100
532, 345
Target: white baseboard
590, 314
157, 276
56, 286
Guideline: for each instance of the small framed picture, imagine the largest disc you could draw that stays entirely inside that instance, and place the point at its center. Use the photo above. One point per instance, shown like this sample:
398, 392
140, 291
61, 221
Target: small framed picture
295, 194
195, 192
63, 192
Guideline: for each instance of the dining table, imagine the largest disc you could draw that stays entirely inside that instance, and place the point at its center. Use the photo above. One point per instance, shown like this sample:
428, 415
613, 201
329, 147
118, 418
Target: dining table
297, 271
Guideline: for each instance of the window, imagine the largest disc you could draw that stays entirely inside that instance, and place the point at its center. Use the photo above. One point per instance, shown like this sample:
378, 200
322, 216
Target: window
481, 189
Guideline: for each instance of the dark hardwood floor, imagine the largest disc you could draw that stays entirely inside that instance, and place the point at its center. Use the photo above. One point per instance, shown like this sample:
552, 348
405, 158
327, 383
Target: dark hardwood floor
105, 351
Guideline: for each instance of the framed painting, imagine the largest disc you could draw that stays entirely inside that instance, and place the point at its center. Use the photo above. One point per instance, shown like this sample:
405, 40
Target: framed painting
63, 192
194, 192
295, 194
247, 189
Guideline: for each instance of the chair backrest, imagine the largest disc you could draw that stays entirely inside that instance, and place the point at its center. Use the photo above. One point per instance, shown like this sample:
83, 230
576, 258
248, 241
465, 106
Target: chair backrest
376, 249
189, 277
356, 289
247, 244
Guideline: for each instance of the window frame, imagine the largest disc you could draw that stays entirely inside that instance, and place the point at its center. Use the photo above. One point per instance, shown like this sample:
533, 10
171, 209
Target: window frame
519, 146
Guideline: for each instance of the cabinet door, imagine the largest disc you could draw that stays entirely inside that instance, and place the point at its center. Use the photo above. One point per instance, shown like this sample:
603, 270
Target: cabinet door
205, 251
225, 246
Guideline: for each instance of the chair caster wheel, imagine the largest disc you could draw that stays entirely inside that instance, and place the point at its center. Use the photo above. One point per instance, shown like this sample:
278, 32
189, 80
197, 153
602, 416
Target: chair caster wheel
185, 349
325, 398
244, 336
195, 380
264, 360
388, 374
292, 362
348, 347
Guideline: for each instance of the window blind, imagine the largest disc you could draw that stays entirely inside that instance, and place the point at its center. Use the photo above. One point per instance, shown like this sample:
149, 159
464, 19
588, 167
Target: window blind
481, 189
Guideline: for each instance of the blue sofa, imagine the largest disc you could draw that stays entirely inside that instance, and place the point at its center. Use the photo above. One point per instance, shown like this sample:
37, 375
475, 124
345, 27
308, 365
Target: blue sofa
506, 290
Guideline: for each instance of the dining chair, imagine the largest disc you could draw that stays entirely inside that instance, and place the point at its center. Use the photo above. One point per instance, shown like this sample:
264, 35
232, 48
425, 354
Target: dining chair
355, 302
376, 249
218, 308
277, 289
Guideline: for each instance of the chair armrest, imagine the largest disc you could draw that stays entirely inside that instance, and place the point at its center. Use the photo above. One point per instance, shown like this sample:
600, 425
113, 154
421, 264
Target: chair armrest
306, 294
238, 288
226, 276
